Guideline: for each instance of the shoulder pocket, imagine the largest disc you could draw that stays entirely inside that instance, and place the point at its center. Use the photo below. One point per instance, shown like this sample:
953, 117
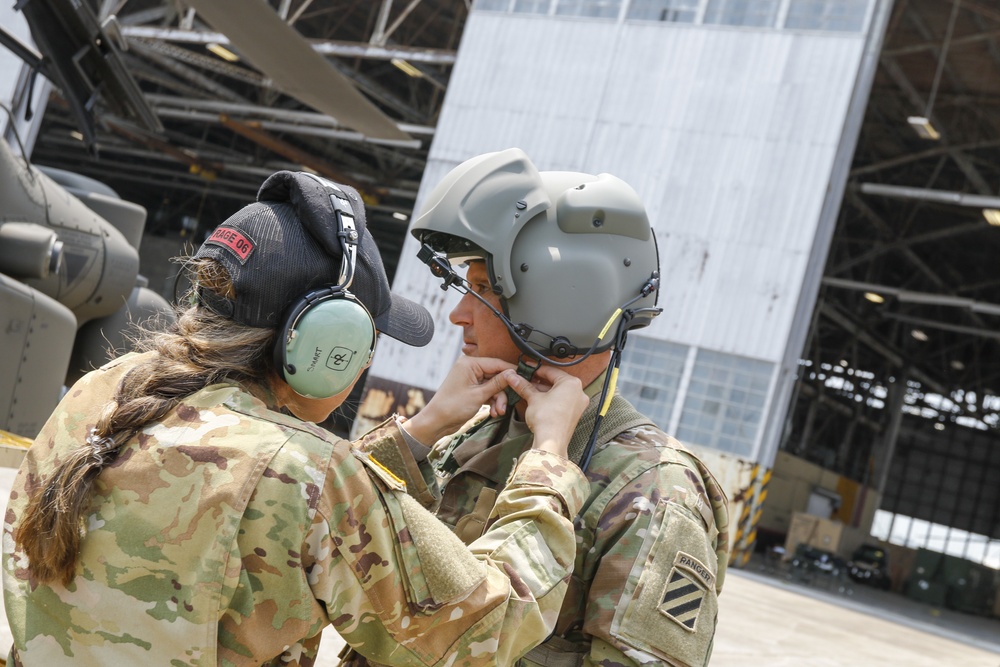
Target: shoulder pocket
435, 566
669, 607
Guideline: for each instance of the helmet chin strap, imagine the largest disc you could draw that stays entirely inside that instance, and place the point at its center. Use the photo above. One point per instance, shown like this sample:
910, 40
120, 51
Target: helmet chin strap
519, 333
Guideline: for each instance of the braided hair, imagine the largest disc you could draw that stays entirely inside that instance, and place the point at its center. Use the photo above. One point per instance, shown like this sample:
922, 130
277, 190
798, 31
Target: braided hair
198, 350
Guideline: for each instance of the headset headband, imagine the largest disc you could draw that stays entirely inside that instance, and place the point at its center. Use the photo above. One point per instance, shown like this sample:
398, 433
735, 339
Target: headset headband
347, 231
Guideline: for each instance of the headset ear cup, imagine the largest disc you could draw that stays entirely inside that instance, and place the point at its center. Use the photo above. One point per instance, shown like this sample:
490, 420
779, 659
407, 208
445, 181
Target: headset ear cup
331, 345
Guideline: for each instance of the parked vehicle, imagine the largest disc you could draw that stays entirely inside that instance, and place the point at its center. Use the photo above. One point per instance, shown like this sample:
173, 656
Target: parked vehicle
870, 565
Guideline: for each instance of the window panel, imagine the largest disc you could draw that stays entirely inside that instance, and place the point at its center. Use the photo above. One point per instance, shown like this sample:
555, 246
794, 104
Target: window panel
532, 6
650, 375
725, 413
758, 13
674, 11
607, 9
493, 5
831, 15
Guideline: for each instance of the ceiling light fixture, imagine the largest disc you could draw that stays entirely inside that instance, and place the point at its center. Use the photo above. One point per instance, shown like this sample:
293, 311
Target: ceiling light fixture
939, 426
922, 126
874, 297
222, 52
992, 216
399, 216
76, 135
407, 67
919, 335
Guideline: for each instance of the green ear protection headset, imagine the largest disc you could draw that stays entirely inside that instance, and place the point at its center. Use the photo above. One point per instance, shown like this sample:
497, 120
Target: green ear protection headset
328, 337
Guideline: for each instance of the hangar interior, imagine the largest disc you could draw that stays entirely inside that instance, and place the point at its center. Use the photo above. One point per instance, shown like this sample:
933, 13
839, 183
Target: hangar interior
899, 386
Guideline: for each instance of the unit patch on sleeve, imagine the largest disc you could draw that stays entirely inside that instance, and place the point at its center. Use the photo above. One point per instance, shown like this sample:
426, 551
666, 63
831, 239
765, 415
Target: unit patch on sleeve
685, 590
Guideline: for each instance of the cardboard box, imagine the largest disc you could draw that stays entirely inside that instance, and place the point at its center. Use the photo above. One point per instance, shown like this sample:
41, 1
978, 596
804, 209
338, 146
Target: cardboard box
792, 467
827, 535
800, 496
901, 560
11, 455
829, 480
814, 531
800, 531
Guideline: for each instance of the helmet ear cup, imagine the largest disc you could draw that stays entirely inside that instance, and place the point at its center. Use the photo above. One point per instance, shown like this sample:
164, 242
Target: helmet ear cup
325, 345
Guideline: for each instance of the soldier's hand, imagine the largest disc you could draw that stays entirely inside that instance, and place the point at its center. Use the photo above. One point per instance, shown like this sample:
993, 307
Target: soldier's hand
555, 401
471, 383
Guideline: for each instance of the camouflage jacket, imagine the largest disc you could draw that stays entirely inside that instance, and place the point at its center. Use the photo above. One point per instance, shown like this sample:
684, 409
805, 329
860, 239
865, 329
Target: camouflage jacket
652, 539
229, 534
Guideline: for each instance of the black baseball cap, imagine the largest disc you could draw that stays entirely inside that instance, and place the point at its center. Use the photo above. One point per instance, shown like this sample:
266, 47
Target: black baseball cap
286, 244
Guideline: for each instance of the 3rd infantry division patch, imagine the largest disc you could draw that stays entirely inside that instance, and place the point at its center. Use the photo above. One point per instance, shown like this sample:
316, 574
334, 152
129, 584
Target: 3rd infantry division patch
684, 592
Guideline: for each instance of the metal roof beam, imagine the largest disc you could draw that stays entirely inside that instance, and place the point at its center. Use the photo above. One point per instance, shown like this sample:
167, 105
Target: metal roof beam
919, 104
246, 108
930, 46
906, 296
892, 356
290, 128
187, 73
920, 155
210, 63
940, 196
946, 326
887, 229
254, 132
325, 47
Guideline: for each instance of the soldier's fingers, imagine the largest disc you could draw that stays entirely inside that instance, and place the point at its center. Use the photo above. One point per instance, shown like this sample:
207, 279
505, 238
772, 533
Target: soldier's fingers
490, 386
524, 389
498, 404
487, 366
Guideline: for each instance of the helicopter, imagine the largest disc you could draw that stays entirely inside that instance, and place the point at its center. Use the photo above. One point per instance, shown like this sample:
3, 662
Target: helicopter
69, 262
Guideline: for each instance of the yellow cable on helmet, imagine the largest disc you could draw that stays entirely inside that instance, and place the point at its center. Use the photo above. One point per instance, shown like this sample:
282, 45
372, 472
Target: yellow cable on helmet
618, 311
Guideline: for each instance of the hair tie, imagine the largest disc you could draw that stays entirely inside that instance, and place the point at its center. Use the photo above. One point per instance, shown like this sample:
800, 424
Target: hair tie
98, 446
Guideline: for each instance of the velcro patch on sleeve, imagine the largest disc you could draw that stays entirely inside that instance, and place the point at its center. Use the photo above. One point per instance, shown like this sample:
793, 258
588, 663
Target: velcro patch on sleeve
376, 468
669, 605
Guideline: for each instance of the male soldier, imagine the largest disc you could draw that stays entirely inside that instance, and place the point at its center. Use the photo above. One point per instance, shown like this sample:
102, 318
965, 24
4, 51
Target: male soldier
561, 266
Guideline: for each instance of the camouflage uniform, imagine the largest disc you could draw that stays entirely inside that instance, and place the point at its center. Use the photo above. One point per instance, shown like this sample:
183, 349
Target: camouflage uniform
228, 534
652, 538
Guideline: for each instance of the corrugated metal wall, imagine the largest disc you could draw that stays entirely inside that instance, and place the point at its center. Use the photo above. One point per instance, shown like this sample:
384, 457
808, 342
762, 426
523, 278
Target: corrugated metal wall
728, 134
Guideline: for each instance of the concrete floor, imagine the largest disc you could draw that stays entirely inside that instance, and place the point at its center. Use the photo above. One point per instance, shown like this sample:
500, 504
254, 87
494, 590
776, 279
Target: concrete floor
765, 618
768, 619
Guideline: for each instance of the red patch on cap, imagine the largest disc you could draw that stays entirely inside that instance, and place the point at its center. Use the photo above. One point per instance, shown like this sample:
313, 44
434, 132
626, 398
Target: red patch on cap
227, 237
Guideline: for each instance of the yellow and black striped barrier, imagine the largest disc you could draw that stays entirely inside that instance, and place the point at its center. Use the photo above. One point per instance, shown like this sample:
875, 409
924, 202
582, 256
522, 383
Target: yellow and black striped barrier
12, 449
745, 537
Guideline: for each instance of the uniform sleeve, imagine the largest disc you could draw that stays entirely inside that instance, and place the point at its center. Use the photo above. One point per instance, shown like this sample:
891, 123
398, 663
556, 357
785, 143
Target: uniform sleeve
387, 444
654, 595
402, 589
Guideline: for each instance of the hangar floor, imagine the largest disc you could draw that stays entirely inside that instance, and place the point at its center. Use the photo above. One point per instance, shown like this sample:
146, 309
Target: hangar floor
767, 619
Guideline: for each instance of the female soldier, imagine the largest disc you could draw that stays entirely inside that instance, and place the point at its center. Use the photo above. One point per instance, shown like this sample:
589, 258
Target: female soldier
172, 512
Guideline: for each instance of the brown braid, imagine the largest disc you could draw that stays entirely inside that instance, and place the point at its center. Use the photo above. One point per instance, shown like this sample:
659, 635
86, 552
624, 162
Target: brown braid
200, 349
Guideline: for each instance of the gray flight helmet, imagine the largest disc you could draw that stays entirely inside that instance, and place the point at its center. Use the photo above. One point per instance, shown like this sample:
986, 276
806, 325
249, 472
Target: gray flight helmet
564, 250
